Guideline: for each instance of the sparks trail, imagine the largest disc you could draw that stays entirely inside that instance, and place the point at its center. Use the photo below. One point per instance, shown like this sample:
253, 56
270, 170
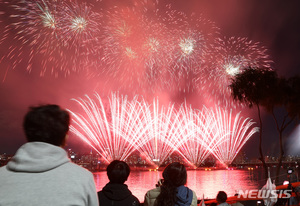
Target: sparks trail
105, 129
121, 126
231, 133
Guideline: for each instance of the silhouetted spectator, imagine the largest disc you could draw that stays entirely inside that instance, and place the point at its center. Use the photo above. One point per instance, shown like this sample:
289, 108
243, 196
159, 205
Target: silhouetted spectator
116, 192
221, 199
41, 173
172, 190
292, 177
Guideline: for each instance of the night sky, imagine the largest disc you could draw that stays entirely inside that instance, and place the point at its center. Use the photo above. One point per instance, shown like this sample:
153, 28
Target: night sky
273, 23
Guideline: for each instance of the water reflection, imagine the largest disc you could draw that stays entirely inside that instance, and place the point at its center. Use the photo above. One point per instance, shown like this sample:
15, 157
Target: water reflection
202, 182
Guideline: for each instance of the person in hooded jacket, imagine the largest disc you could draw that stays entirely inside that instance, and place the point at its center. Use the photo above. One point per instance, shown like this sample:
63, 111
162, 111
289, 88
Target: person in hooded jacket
172, 191
116, 192
40, 173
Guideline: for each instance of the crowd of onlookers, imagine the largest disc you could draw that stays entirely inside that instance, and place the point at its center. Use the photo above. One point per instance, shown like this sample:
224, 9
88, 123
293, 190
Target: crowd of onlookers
41, 174
170, 190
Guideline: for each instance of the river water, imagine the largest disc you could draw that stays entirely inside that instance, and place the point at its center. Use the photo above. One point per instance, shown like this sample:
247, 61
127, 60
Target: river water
206, 183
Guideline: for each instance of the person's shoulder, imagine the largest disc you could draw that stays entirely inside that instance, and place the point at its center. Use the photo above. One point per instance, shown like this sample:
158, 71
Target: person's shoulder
224, 204
194, 198
236, 204
194, 193
78, 170
3, 169
156, 189
134, 200
153, 193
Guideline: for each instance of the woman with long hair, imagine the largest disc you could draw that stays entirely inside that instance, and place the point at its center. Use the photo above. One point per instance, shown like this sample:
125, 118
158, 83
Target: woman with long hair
172, 191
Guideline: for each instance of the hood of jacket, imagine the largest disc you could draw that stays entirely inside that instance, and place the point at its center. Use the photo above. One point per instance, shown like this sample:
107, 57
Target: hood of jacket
116, 192
184, 196
37, 157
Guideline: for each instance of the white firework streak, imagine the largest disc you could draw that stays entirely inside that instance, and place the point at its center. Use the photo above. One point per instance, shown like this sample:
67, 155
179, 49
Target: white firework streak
234, 132
162, 131
191, 145
104, 131
157, 131
47, 18
201, 136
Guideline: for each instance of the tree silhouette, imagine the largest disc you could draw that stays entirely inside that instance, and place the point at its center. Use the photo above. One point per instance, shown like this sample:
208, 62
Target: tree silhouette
293, 105
283, 104
252, 87
280, 99
263, 88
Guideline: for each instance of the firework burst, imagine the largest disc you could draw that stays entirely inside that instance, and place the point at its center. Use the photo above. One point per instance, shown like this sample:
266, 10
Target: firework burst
50, 34
80, 24
156, 49
229, 57
34, 24
133, 45
120, 50
155, 52
191, 37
